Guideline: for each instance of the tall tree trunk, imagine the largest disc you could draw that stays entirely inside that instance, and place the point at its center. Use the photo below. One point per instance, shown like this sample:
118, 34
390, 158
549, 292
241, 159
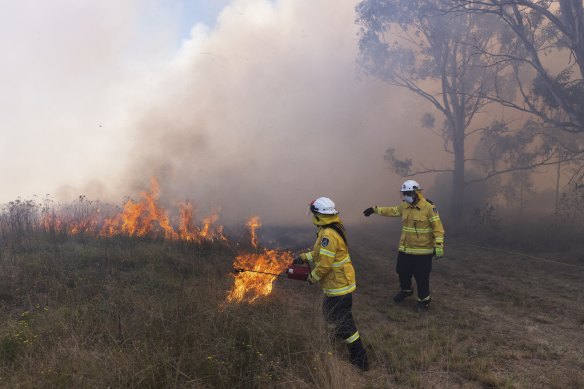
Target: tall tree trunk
521, 188
558, 171
458, 184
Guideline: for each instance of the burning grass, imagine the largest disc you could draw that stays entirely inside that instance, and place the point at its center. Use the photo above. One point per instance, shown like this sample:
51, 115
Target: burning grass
143, 218
255, 277
256, 272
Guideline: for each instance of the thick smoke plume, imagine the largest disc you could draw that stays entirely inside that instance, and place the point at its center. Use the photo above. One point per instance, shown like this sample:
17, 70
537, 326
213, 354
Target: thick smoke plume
265, 112
256, 114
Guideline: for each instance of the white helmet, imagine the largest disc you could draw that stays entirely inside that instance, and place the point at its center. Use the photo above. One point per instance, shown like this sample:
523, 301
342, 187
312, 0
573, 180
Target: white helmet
409, 186
323, 205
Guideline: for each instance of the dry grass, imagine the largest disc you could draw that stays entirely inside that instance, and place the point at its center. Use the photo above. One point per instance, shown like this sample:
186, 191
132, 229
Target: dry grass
145, 313
139, 313
498, 318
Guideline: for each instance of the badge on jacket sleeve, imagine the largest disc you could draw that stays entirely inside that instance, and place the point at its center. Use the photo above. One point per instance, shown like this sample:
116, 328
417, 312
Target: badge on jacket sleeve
435, 210
324, 242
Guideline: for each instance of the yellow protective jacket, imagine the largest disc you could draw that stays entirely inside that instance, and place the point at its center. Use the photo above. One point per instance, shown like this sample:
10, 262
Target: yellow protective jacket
329, 259
422, 229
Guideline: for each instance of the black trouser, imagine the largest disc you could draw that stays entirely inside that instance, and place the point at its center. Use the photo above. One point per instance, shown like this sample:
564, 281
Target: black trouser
339, 318
419, 266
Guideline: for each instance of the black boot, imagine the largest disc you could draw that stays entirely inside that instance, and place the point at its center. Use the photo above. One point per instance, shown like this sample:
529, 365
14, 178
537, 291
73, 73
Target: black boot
401, 295
424, 305
358, 355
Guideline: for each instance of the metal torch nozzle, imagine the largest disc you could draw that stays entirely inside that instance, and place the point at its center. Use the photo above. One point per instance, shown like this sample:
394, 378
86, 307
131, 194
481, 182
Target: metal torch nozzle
237, 270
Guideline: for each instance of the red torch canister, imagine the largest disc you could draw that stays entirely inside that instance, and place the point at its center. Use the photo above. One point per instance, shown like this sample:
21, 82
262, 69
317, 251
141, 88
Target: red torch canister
297, 272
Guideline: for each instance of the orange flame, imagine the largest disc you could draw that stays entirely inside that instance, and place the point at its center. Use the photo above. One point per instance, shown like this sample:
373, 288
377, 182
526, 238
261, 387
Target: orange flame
253, 224
250, 286
186, 228
141, 218
188, 231
253, 283
210, 231
72, 221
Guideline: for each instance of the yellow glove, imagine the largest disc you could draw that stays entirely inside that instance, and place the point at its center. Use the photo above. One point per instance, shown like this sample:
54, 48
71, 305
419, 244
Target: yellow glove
438, 252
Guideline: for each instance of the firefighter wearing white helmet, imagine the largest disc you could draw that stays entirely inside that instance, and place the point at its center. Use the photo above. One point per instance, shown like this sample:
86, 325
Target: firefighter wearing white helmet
324, 206
332, 269
421, 239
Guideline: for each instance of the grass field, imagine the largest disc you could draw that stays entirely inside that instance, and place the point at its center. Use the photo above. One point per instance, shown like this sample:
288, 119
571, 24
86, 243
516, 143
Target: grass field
149, 313
498, 319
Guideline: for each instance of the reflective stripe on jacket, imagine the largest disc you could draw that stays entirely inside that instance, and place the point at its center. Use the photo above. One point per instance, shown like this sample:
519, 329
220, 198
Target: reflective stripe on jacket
331, 263
422, 228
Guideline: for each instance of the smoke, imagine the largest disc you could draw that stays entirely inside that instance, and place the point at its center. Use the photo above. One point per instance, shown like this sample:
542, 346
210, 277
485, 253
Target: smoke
265, 112
256, 114
68, 72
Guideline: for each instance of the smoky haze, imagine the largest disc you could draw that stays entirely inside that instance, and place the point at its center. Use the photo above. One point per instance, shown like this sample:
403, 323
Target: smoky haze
265, 112
256, 114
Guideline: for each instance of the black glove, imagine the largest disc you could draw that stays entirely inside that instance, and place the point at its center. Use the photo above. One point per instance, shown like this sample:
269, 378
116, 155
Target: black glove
297, 261
368, 211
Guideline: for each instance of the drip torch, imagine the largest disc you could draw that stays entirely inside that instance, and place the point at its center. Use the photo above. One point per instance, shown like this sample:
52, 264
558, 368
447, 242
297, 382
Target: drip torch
294, 272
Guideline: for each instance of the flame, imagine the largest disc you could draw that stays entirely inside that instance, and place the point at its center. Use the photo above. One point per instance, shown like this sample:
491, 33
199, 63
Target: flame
186, 227
188, 231
73, 222
146, 218
250, 286
210, 231
138, 218
51, 223
253, 224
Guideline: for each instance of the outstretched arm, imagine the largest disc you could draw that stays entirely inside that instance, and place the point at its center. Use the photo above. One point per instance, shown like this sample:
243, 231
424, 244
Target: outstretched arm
384, 211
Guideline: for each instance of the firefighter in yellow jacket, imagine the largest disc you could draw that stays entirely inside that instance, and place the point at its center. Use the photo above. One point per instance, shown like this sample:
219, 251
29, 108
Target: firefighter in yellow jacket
332, 269
421, 239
